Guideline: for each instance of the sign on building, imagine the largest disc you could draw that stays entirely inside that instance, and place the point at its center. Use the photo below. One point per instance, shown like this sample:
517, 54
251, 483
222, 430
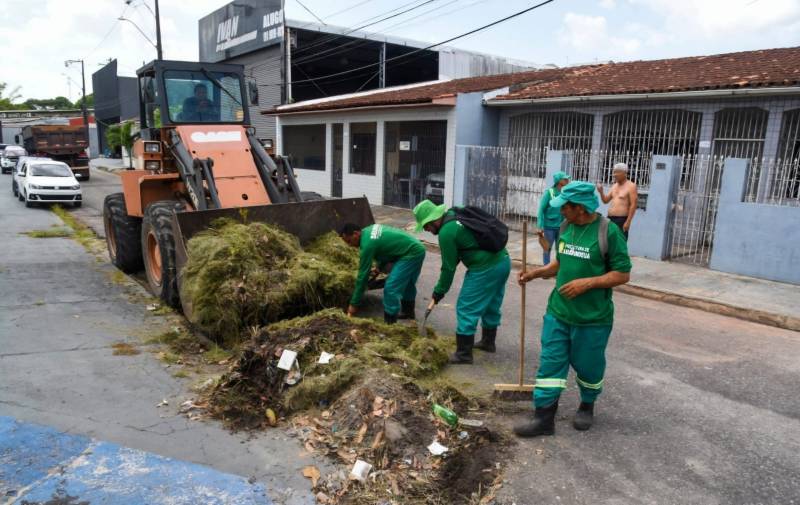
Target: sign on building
240, 27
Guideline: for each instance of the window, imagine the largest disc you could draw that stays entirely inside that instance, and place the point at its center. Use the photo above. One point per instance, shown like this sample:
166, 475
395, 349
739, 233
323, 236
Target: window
203, 97
50, 170
305, 146
362, 148
538, 132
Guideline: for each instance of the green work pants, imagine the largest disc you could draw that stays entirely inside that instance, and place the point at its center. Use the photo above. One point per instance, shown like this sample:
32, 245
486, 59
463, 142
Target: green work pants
402, 283
481, 298
563, 344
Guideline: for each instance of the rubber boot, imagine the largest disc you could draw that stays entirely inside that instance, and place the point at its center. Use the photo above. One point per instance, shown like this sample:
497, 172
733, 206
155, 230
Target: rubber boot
487, 340
583, 417
543, 423
407, 310
389, 318
463, 354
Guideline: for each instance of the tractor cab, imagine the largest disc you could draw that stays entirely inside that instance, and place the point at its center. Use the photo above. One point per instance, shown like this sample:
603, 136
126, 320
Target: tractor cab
175, 93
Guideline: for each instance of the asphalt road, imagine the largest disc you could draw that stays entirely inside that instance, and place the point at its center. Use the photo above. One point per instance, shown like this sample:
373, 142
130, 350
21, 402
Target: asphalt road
698, 408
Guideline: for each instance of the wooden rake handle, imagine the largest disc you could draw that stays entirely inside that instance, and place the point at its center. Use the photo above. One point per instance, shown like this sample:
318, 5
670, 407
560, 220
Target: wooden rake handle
522, 298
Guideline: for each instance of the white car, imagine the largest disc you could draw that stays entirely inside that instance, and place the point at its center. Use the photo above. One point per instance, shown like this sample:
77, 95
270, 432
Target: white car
48, 182
9, 156
15, 172
434, 188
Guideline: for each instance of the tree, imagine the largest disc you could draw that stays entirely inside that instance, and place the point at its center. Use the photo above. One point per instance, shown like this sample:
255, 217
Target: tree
119, 135
59, 103
7, 101
89, 101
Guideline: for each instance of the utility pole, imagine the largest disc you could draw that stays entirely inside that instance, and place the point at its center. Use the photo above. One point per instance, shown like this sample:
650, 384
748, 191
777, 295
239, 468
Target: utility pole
83, 99
158, 33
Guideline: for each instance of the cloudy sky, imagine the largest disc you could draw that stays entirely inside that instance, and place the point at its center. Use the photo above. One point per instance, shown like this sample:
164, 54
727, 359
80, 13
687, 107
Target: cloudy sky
36, 36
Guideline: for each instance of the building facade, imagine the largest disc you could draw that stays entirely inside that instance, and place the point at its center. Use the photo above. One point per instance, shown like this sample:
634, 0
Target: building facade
503, 139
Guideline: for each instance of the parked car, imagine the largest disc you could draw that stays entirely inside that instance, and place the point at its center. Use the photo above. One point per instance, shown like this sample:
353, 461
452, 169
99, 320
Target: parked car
48, 182
9, 157
15, 172
434, 188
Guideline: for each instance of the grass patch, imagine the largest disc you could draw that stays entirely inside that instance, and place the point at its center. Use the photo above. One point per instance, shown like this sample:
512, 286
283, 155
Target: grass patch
81, 233
118, 277
170, 357
124, 349
50, 233
181, 374
38, 303
217, 354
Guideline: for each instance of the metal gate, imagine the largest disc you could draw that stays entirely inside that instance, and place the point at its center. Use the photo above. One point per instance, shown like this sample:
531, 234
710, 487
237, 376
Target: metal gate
415, 153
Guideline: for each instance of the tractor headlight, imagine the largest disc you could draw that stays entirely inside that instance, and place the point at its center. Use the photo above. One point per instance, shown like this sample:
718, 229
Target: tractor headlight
152, 165
152, 147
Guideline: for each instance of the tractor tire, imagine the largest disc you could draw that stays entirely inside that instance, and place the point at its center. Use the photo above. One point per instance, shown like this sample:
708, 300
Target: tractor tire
123, 234
158, 248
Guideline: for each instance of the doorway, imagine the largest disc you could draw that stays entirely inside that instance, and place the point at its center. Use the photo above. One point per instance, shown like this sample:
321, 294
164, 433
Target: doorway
415, 153
338, 160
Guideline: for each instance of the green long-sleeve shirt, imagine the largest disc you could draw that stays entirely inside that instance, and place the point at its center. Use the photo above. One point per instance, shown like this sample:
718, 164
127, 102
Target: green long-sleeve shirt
382, 244
549, 217
458, 244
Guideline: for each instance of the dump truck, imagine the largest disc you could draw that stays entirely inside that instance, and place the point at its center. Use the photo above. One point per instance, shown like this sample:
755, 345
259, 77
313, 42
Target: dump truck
65, 143
197, 159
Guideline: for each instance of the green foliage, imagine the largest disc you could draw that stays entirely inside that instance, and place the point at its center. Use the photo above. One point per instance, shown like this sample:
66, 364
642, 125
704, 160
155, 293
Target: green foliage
89, 101
119, 135
239, 276
59, 102
7, 99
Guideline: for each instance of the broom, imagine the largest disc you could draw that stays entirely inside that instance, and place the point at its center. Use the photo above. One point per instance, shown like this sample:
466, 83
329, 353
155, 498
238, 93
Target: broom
520, 391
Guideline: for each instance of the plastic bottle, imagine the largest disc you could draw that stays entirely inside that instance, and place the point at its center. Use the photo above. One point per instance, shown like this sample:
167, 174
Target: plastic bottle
445, 414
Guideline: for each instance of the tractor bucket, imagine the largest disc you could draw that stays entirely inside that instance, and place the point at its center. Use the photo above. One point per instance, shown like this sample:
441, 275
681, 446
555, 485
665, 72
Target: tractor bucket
306, 220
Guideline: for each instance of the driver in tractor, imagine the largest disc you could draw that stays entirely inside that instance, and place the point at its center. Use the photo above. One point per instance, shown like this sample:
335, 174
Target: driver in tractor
199, 107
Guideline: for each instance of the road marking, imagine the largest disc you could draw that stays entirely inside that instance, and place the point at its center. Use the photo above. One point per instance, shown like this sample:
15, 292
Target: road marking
40, 464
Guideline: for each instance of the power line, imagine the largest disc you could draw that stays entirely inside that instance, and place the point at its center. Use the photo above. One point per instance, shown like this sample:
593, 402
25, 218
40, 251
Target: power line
466, 34
333, 37
114, 25
310, 11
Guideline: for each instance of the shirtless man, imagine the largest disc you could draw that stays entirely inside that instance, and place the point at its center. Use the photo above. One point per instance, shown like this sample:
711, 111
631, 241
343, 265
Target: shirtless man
623, 198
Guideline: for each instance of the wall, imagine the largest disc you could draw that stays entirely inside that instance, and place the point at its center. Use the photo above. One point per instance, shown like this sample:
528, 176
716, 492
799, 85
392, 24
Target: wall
371, 186
754, 239
454, 64
264, 67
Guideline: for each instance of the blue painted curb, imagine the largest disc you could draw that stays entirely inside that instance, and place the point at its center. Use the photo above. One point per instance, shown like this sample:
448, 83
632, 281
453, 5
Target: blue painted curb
39, 464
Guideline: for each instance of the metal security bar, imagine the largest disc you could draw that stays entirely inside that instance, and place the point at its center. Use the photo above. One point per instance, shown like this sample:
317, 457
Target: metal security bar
740, 133
634, 136
692, 228
543, 131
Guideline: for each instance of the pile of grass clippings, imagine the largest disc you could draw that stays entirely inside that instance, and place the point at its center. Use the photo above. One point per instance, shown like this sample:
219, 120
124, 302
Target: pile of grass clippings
368, 403
240, 276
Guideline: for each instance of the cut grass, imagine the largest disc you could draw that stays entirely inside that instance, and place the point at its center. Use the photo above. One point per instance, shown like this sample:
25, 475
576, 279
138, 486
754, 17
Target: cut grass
217, 354
60, 232
81, 233
124, 349
181, 374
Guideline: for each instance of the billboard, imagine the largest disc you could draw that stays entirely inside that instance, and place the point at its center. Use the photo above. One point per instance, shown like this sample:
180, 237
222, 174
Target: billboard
240, 27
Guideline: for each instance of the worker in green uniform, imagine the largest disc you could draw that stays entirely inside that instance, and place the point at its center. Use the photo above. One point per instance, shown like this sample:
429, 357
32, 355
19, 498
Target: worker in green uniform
591, 258
384, 245
484, 286
549, 217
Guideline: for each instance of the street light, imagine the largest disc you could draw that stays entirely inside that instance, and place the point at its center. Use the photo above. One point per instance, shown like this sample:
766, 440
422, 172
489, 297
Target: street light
158, 26
67, 63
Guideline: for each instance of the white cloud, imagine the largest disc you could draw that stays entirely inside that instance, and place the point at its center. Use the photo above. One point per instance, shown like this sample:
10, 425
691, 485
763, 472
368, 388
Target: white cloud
719, 18
38, 35
608, 4
590, 36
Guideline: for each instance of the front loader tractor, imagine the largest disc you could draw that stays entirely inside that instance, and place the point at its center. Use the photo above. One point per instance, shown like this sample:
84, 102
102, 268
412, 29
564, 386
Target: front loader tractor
197, 159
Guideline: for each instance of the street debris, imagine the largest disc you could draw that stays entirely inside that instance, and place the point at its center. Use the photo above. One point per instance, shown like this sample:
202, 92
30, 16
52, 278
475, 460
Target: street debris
162, 403
312, 472
240, 276
370, 408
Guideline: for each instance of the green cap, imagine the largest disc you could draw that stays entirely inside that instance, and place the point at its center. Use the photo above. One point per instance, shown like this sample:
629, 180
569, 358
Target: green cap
427, 211
580, 193
559, 176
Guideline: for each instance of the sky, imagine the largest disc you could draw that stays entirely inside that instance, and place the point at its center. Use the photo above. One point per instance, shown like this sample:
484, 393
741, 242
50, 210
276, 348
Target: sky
37, 36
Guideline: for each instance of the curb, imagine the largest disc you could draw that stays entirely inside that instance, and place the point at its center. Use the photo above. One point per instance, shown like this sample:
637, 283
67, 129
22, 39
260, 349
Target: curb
755, 316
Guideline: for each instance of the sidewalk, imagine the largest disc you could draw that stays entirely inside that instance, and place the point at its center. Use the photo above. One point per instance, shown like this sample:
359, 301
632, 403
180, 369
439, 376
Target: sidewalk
767, 302
108, 164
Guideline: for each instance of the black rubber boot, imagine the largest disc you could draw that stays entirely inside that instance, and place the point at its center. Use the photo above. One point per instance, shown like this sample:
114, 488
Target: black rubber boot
407, 310
389, 318
463, 354
487, 340
583, 417
543, 423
